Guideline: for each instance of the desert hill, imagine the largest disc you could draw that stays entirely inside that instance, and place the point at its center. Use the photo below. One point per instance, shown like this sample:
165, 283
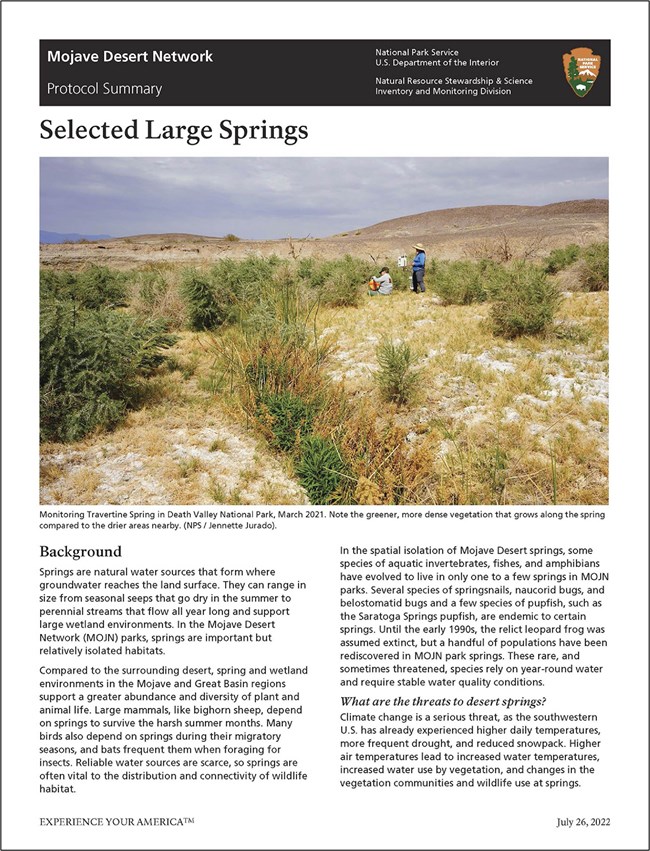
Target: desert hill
504, 216
447, 234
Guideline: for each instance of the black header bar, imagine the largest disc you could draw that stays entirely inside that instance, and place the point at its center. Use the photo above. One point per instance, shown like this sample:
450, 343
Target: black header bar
418, 72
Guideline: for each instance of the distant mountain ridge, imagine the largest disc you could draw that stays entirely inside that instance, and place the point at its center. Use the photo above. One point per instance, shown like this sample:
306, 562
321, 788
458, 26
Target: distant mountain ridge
449, 234
53, 238
455, 220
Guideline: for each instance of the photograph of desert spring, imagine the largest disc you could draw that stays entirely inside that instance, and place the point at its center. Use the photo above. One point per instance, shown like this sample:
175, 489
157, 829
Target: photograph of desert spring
326, 331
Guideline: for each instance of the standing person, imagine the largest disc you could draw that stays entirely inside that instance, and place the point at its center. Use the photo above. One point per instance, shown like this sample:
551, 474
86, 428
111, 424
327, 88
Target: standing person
417, 279
384, 282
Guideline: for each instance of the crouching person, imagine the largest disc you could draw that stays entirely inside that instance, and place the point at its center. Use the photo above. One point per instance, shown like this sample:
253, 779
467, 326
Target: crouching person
381, 284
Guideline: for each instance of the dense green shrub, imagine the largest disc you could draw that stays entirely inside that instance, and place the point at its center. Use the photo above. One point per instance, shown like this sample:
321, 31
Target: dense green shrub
95, 287
57, 285
339, 291
204, 310
230, 291
242, 278
102, 287
92, 366
239, 286
461, 281
319, 469
526, 302
397, 376
311, 271
288, 416
560, 258
596, 273
264, 294
355, 268
336, 279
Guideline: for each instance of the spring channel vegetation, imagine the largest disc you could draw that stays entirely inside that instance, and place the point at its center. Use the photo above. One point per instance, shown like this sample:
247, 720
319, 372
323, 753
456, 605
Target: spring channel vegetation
263, 380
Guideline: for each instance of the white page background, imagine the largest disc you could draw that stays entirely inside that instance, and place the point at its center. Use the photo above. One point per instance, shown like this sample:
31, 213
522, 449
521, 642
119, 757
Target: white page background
320, 814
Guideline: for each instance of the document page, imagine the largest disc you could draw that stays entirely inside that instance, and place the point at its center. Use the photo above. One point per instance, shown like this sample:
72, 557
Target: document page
317, 533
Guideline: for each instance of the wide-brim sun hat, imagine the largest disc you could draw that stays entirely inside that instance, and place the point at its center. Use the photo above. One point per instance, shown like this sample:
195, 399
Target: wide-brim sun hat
419, 246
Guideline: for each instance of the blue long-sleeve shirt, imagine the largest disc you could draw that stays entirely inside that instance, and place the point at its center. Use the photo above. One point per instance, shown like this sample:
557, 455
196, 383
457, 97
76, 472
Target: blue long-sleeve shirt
419, 261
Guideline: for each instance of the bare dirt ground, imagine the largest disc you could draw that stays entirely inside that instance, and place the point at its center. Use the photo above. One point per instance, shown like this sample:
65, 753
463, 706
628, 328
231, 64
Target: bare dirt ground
446, 234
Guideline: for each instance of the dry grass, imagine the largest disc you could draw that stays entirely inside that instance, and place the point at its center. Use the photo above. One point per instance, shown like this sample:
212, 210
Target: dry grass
519, 422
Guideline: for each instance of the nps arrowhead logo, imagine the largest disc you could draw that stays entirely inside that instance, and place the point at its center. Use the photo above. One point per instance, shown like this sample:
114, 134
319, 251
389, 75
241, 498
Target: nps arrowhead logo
581, 68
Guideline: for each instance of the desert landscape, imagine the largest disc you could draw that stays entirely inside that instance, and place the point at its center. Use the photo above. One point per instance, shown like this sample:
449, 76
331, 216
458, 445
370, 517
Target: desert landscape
447, 234
260, 372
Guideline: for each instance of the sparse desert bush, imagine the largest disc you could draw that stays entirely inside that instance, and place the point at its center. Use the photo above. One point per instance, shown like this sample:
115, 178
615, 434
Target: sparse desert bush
398, 377
231, 237
155, 295
151, 285
92, 366
526, 302
560, 258
382, 467
570, 279
498, 248
503, 248
271, 365
596, 273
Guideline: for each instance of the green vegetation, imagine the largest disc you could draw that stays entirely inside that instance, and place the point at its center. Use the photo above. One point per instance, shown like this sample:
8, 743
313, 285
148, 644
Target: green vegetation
204, 309
95, 287
319, 469
560, 258
336, 408
466, 281
338, 283
596, 274
92, 366
526, 302
288, 415
592, 263
397, 376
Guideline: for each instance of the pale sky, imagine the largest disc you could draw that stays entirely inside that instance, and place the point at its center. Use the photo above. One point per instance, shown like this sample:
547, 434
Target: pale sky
272, 198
